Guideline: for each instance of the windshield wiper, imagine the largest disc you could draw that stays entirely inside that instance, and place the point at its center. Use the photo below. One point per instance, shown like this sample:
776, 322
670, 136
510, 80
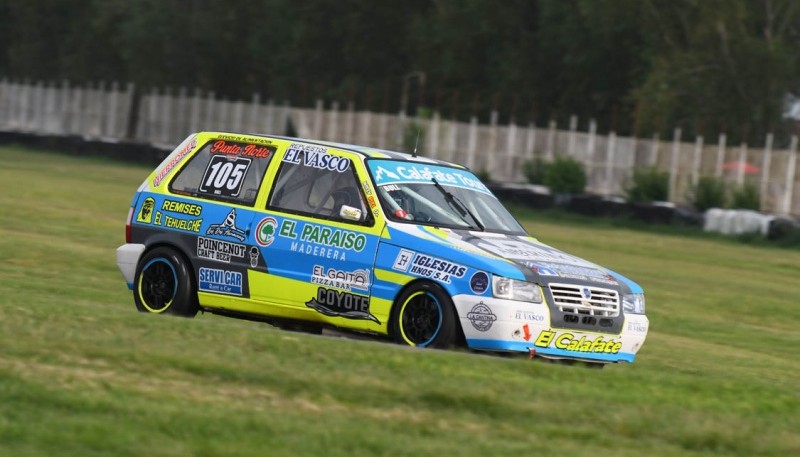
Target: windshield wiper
458, 205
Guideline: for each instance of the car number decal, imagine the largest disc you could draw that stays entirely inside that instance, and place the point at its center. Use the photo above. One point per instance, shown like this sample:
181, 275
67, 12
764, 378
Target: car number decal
224, 176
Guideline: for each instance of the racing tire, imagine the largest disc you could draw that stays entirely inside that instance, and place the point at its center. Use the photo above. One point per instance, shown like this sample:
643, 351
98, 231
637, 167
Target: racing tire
424, 316
163, 284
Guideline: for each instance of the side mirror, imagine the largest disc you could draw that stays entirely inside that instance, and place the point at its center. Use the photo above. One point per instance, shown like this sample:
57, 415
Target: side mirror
350, 213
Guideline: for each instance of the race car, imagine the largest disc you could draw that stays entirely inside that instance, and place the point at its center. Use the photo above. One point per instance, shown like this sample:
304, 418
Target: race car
320, 234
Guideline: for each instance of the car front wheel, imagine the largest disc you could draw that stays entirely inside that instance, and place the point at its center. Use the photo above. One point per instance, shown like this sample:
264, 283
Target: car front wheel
163, 284
424, 316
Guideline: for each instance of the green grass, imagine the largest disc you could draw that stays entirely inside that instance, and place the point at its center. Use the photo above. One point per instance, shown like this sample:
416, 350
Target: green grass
82, 373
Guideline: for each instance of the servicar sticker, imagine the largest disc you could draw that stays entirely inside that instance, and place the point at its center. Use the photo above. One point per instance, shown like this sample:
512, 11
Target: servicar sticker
337, 303
220, 281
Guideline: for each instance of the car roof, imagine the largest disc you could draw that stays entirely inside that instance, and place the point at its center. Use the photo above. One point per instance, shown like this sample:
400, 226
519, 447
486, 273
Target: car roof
369, 152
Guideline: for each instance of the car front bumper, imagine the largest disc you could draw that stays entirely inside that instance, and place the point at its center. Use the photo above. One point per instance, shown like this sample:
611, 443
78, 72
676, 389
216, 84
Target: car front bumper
505, 325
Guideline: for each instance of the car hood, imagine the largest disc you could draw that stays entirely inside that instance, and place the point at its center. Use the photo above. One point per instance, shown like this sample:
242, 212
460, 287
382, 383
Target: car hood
516, 257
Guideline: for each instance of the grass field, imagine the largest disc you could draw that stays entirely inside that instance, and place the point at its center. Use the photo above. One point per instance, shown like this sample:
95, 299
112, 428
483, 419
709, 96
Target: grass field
82, 373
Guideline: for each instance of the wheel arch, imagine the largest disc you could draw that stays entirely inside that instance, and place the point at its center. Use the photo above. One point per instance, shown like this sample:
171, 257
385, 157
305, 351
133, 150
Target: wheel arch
159, 241
414, 283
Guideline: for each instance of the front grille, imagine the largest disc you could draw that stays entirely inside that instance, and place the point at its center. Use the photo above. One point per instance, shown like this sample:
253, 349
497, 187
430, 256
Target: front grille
585, 300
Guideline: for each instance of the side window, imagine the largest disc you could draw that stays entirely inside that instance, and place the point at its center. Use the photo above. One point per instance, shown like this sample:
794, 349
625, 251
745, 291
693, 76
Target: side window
311, 181
225, 170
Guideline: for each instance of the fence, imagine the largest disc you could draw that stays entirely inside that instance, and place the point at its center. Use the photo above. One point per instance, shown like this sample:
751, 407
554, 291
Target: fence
115, 112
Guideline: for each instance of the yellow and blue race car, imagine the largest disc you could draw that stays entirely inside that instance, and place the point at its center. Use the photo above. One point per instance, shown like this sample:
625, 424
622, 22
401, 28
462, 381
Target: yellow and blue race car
320, 234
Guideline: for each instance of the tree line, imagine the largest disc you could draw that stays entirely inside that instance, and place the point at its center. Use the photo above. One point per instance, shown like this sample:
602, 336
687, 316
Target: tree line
636, 66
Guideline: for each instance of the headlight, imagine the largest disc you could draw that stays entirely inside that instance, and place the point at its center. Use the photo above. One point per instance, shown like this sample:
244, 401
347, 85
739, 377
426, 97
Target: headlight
511, 289
633, 303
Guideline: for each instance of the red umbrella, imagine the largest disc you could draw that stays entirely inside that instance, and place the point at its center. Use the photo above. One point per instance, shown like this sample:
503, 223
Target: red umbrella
746, 167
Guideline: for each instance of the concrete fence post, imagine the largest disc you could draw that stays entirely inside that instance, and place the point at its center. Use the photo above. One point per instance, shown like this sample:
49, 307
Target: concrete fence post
451, 140
210, 111
112, 115
365, 128
52, 112
383, 128
673, 165
37, 108
573, 126
610, 156
549, 153
350, 123
333, 123
591, 153
472, 142
255, 113
237, 117
194, 110
766, 164
491, 157
317, 128
130, 117
511, 152
76, 110
655, 147
165, 117
698, 149
180, 128
720, 155
530, 141
433, 136
740, 165
790, 174
269, 117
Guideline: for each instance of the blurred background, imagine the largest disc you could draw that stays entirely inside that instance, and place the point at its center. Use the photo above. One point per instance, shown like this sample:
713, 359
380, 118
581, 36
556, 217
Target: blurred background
708, 87
636, 66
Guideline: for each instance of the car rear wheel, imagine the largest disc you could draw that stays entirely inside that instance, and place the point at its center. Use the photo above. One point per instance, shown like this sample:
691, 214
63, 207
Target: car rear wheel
424, 316
163, 284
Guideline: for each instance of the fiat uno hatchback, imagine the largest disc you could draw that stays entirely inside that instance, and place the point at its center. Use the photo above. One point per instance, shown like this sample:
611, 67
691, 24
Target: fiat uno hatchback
302, 232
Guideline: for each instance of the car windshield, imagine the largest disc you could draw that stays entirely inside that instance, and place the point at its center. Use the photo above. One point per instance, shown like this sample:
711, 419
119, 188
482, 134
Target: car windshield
419, 193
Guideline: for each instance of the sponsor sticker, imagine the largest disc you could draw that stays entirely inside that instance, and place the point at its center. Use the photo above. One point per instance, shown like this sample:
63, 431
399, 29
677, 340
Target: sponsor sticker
571, 342
227, 228
436, 269
322, 241
146, 211
219, 250
528, 316
316, 157
403, 260
481, 317
220, 281
393, 172
174, 161
265, 231
479, 282
637, 327
241, 149
340, 279
189, 209
177, 223
254, 254
338, 303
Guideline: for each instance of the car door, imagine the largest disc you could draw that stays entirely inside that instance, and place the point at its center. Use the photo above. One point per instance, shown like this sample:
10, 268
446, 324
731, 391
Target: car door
319, 237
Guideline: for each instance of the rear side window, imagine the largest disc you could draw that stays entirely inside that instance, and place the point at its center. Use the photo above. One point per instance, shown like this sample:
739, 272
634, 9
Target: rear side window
313, 182
225, 170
